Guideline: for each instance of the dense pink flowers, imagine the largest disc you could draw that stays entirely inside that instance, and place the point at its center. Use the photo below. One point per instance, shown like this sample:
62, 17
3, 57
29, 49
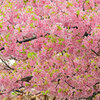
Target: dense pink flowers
56, 47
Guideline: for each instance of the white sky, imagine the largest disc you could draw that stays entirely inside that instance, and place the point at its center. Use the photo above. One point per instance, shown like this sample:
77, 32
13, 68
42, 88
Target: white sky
10, 62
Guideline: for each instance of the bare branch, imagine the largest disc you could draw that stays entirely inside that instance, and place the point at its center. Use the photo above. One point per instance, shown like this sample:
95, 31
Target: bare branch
14, 58
73, 64
26, 40
56, 77
6, 64
91, 97
83, 6
95, 52
86, 34
26, 79
2, 48
70, 85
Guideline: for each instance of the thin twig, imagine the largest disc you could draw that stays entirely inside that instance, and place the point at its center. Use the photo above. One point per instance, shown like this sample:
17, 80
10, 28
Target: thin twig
83, 5
56, 77
70, 85
73, 63
14, 58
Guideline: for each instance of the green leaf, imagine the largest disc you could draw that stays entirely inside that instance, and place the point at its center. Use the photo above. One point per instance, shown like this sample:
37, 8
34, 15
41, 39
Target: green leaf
46, 82
50, 49
77, 1
25, 1
24, 68
5, 98
91, 41
76, 69
68, 27
7, 36
33, 18
66, 90
92, 61
61, 39
53, 12
35, 85
83, 46
34, 1
32, 55
0, 11
45, 92
60, 43
0, 25
95, 66
1, 38
26, 84
36, 62
18, 16
79, 41
19, 29
59, 90
35, 70
87, 1
69, 4
52, 39
8, 27
13, 93
84, 17
87, 76
56, 70
49, 36
78, 12
65, 13
15, 64
47, 6
67, 55
98, 26
59, 28
32, 25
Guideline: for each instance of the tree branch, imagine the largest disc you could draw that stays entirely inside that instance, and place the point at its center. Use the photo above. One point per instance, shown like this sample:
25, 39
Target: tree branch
26, 79
86, 34
26, 40
91, 97
70, 85
83, 5
56, 77
95, 52
73, 64
14, 58
72, 27
6, 64
2, 48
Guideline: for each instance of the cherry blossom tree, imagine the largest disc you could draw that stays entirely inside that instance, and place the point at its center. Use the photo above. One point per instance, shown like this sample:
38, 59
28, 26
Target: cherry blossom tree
55, 45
